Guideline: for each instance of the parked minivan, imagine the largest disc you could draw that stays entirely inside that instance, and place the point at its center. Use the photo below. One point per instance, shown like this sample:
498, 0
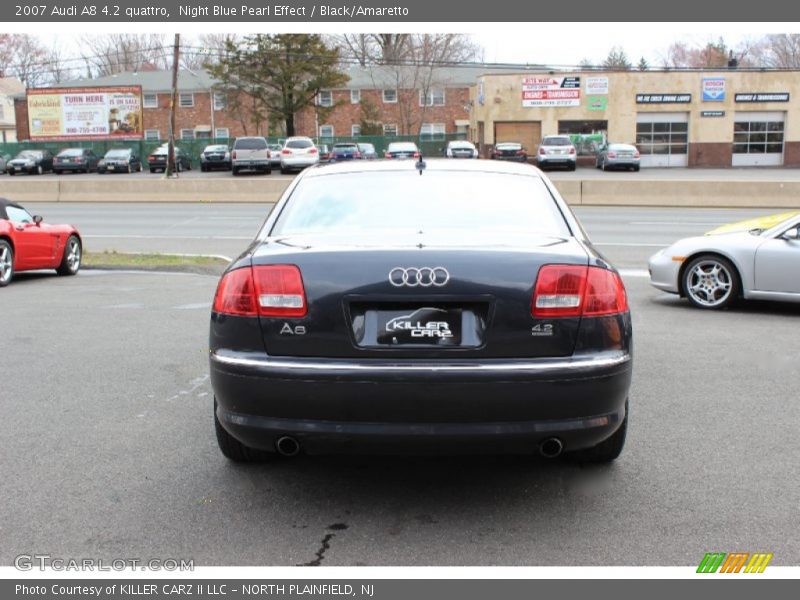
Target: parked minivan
250, 153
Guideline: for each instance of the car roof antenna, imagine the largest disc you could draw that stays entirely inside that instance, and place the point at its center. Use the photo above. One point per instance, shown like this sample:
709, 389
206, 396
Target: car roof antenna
420, 165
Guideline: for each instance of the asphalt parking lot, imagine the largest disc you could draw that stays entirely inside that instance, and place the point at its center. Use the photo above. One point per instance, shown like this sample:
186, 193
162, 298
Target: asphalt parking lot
108, 449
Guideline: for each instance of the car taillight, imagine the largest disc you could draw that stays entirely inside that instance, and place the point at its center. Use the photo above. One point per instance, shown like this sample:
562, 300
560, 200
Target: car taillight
233, 154
387, 155
151, 158
236, 294
612, 155
286, 151
78, 160
312, 151
636, 154
541, 151
572, 150
574, 291
357, 155
265, 290
415, 155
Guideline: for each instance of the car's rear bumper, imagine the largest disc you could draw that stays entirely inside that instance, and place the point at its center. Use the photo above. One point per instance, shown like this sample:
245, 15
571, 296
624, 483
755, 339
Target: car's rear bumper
506, 405
298, 162
557, 160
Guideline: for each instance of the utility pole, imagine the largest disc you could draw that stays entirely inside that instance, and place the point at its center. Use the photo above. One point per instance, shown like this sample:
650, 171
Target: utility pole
176, 51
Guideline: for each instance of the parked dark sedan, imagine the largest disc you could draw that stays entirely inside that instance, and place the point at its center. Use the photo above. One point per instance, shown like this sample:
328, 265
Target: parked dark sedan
32, 162
76, 160
217, 156
513, 151
120, 160
345, 151
324, 153
157, 159
373, 311
368, 151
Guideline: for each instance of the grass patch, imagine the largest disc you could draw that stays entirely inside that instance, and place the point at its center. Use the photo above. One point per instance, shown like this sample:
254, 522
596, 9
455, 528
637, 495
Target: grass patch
120, 260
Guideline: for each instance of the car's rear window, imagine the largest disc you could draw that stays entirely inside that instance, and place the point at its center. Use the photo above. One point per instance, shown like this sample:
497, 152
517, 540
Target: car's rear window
405, 200
367, 147
509, 146
216, 149
299, 144
31, 154
71, 152
345, 147
402, 147
250, 144
118, 153
462, 146
556, 141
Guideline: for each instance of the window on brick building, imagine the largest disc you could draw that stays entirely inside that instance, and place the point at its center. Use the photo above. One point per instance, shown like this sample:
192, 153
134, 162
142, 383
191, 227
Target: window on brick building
187, 134
150, 100
390, 96
219, 101
222, 133
325, 98
186, 100
355, 130
432, 131
390, 129
326, 131
432, 98
355, 96
152, 135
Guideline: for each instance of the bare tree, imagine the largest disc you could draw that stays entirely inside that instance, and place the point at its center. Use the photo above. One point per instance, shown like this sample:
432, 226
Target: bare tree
117, 52
777, 51
617, 60
207, 49
711, 55
23, 56
412, 64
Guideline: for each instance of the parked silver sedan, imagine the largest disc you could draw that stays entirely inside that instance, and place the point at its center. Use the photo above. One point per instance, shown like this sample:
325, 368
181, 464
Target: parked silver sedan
757, 259
617, 156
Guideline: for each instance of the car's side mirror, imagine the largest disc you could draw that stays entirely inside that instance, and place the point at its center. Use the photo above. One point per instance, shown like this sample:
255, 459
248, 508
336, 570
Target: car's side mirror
37, 219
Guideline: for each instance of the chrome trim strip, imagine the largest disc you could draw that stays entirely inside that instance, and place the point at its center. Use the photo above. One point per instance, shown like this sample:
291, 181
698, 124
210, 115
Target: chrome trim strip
333, 366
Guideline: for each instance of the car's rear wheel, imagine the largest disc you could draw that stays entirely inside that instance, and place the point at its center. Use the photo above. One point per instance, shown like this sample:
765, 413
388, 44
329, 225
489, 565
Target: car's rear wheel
636, 169
71, 262
6, 263
607, 450
235, 170
710, 281
57, 171
233, 449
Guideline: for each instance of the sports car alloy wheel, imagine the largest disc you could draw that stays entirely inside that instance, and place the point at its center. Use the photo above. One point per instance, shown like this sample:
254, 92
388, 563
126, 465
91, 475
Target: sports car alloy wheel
6, 263
72, 257
710, 282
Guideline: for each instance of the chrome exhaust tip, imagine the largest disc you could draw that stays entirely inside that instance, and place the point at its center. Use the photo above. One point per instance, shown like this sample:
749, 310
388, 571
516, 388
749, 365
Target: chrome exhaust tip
287, 446
551, 447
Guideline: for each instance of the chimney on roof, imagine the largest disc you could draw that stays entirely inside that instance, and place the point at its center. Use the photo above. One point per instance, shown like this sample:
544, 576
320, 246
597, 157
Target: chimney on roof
733, 62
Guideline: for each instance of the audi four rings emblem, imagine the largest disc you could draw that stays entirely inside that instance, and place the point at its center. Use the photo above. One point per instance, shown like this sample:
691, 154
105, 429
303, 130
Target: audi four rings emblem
422, 277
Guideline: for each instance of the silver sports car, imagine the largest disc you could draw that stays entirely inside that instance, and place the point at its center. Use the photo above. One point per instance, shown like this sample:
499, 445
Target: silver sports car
757, 259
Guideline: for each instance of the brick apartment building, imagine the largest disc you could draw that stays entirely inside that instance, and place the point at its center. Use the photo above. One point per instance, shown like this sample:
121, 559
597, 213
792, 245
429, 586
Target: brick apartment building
201, 111
407, 101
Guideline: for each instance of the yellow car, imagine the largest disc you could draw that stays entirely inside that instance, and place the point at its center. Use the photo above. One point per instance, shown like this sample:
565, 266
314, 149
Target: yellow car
762, 223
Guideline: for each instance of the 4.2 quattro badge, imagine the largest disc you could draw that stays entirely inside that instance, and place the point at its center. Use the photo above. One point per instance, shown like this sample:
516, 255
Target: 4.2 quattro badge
419, 277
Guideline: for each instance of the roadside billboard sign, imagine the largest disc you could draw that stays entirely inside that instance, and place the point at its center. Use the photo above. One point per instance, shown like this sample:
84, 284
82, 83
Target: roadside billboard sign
86, 113
545, 90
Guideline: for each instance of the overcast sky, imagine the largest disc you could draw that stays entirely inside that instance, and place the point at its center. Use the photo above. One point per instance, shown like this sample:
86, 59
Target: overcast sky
550, 43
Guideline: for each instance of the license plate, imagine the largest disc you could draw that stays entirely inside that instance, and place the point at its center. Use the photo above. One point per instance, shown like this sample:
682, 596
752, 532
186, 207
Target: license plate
111, 167
428, 326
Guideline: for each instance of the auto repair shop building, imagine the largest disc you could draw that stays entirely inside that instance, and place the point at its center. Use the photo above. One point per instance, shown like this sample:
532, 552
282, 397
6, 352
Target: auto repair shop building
675, 118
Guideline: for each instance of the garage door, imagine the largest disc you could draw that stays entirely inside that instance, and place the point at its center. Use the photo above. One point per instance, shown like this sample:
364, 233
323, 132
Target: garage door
663, 139
528, 133
758, 139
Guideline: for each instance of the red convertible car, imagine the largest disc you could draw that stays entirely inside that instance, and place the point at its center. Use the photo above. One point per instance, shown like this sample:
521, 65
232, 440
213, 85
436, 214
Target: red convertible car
27, 244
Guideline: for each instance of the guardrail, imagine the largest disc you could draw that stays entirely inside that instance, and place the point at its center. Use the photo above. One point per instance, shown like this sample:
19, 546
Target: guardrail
587, 192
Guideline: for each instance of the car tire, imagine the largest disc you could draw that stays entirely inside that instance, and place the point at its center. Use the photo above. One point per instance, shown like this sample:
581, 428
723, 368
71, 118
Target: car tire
268, 171
235, 450
636, 169
235, 170
152, 170
203, 168
10, 173
704, 291
57, 171
6, 263
608, 450
572, 167
284, 171
71, 260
